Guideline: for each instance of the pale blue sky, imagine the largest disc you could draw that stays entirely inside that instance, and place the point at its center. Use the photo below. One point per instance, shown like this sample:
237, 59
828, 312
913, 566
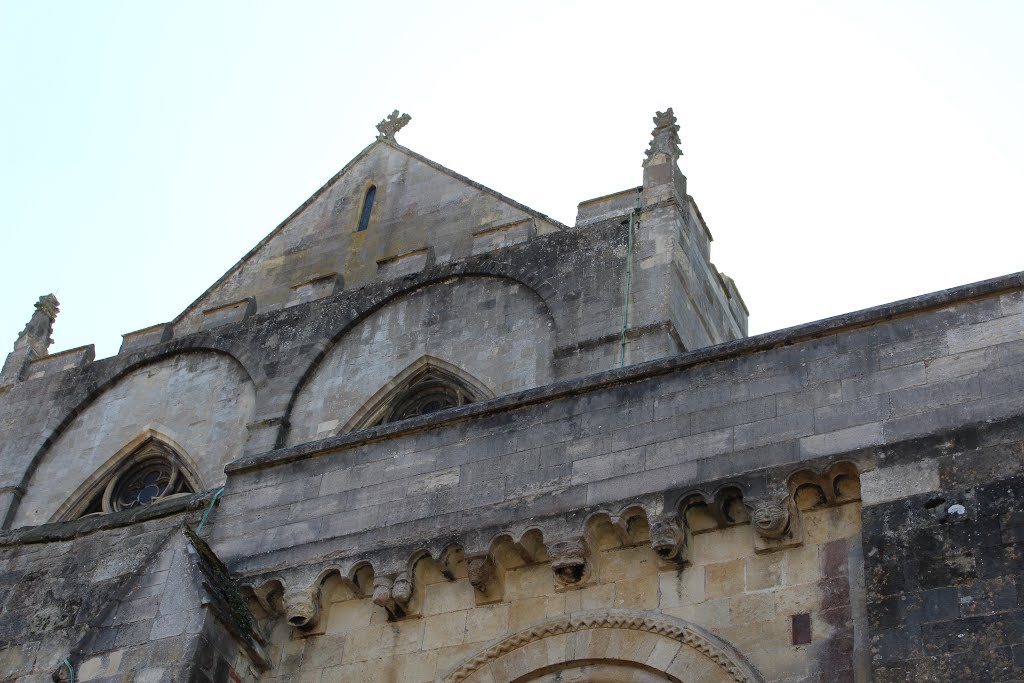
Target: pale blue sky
844, 154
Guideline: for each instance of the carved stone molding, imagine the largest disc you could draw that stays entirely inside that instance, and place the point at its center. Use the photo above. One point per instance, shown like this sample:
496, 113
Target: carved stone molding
703, 511
837, 484
724, 655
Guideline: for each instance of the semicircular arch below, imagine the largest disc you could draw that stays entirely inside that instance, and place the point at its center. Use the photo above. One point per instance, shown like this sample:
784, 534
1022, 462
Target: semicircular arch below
659, 646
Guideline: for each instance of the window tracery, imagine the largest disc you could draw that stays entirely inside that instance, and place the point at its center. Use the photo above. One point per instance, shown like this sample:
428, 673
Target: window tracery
427, 386
431, 391
152, 472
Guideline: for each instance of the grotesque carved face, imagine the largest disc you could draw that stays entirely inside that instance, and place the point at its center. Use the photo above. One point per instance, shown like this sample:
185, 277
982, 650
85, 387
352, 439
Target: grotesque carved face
479, 570
568, 561
302, 607
666, 539
382, 591
401, 591
771, 518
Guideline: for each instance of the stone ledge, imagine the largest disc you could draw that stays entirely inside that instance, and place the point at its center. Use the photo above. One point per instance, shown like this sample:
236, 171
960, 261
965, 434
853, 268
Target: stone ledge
65, 531
436, 531
636, 373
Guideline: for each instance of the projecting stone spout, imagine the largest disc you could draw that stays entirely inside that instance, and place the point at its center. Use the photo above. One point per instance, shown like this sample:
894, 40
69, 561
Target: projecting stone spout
666, 538
302, 608
568, 561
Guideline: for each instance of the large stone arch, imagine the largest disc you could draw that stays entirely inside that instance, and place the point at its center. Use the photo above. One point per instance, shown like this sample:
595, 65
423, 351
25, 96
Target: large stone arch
606, 645
200, 400
494, 328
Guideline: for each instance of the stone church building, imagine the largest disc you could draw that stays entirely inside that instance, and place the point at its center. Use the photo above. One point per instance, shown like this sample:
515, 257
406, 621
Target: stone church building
422, 432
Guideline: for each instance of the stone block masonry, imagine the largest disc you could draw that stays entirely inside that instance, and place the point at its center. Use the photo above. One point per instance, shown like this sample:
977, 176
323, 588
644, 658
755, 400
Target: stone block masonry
402, 421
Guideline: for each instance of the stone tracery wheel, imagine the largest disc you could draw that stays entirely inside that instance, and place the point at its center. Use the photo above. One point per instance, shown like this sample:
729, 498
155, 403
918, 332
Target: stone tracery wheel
142, 483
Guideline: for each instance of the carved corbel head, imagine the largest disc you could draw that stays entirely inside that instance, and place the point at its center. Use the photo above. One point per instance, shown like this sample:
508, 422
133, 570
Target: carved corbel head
568, 561
666, 538
401, 590
382, 593
771, 517
480, 569
392, 594
302, 607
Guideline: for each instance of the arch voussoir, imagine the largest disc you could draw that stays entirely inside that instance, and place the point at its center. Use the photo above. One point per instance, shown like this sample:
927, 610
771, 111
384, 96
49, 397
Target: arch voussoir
677, 649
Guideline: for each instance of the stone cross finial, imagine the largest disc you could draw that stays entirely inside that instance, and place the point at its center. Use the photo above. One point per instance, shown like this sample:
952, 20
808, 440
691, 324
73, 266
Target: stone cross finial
390, 125
665, 136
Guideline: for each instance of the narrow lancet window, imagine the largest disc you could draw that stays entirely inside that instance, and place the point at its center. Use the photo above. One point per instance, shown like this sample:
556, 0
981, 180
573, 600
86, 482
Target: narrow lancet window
364, 218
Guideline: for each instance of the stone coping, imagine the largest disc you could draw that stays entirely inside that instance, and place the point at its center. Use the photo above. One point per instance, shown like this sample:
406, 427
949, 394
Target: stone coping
635, 373
65, 531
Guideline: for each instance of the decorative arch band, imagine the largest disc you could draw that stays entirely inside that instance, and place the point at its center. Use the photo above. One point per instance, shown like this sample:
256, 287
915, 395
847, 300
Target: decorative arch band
730, 663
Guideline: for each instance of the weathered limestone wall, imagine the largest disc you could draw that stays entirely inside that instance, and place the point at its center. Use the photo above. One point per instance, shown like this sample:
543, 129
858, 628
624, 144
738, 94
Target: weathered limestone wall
291, 312
423, 214
923, 399
698, 418
570, 276
944, 557
120, 603
746, 598
782, 508
498, 331
200, 403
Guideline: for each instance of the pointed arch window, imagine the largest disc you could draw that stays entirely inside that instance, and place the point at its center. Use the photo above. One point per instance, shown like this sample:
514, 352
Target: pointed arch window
432, 391
364, 217
152, 472
425, 387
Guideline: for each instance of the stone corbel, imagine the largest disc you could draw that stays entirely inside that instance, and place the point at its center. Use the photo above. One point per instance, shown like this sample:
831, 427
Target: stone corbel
393, 594
302, 607
775, 522
487, 578
668, 539
571, 562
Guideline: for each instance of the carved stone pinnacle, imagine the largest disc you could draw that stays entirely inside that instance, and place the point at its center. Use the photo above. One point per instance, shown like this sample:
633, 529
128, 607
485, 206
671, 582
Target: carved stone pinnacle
38, 333
48, 306
391, 124
665, 136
